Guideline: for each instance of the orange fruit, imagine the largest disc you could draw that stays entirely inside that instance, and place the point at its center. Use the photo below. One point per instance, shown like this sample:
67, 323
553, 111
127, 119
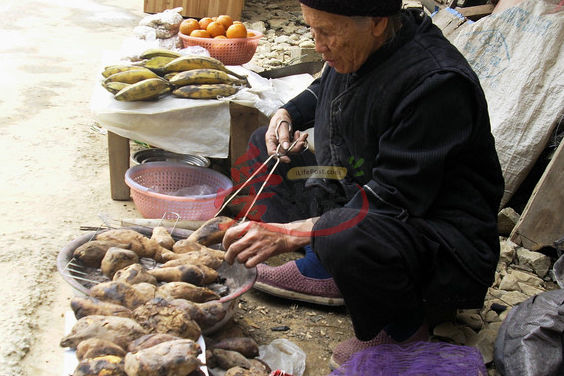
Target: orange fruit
215, 29
204, 22
220, 37
189, 25
250, 34
237, 30
225, 20
199, 33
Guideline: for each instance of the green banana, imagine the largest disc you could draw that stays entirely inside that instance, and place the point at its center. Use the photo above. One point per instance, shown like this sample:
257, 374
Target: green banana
156, 52
131, 76
112, 69
203, 76
188, 62
205, 91
114, 87
148, 89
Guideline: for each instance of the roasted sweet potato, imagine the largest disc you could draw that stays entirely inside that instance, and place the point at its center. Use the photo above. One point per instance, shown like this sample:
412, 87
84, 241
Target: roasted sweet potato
227, 359
162, 237
133, 274
188, 291
95, 347
205, 257
129, 296
186, 246
91, 253
258, 368
109, 365
150, 340
116, 259
171, 358
212, 231
243, 345
205, 314
146, 291
86, 306
158, 316
138, 243
181, 273
120, 330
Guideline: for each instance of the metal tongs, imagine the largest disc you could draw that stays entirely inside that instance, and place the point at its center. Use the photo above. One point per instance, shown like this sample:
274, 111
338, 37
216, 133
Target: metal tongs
276, 155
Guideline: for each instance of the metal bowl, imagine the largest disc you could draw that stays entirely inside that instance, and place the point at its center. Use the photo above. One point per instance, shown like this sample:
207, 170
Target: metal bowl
160, 155
237, 278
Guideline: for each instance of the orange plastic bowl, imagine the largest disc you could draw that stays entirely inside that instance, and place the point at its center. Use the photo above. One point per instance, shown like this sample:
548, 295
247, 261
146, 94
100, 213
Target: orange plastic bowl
230, 51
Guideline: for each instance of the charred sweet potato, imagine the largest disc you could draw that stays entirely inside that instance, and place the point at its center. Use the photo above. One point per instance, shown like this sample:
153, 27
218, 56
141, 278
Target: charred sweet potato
95, 347
162, 237
205, 314
133, 274
171, 358
109, 365
86, 306
120, 293
158, 316
120, 330
181, 273
145, 291
186, 246
227, 359
150, 340
91, 253
243, 345
205, 257
212, 231
116, 259
188, 291
137, 242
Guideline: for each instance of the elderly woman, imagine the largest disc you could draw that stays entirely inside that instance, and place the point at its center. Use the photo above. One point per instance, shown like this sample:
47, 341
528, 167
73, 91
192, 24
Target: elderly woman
413, 222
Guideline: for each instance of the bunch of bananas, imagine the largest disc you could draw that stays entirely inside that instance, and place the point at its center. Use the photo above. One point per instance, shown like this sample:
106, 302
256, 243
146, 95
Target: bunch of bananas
163, 71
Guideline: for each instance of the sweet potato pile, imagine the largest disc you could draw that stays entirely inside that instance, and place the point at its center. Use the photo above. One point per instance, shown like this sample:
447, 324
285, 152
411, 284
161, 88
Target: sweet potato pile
146, 321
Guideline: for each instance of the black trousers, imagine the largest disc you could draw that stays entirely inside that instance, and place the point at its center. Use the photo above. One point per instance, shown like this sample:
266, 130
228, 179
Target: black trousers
387, 270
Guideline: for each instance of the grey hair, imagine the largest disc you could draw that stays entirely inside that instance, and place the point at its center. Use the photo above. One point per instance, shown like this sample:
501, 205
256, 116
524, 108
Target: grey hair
394, 24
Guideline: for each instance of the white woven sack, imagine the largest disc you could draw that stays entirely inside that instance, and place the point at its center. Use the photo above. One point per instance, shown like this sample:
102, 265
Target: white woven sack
518, 55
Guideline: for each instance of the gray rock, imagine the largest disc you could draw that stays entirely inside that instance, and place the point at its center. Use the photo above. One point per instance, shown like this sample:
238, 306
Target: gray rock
507, 219
537, 261
471, 320
507, 251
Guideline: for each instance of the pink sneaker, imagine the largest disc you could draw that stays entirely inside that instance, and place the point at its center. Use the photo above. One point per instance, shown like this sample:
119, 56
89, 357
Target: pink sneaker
344, 350
286, 281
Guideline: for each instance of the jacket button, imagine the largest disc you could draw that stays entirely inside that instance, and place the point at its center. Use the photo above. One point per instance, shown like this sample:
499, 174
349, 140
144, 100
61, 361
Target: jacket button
337, 140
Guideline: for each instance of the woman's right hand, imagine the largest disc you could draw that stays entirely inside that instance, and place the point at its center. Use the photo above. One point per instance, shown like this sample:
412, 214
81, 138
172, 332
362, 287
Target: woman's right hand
281, 122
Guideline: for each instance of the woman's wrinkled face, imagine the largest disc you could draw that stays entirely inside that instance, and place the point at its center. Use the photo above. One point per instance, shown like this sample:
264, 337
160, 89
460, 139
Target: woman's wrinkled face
345, 43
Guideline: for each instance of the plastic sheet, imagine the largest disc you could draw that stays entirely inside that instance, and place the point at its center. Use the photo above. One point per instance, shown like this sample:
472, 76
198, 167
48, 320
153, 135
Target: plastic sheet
518, 56
284, 355
529, 341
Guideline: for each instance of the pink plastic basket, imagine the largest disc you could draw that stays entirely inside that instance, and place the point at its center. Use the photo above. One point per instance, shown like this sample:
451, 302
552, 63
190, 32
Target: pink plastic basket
148, 180
231, 51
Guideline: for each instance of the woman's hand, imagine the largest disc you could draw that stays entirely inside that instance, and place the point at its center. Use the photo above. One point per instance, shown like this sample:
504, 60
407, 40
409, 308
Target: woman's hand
279, 133
251, 243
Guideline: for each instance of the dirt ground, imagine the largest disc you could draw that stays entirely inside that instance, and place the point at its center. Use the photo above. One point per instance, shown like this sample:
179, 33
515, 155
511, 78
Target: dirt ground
55, 179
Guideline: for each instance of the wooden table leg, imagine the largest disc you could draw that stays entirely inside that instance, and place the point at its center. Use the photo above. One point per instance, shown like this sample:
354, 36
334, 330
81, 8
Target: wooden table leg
118, 155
